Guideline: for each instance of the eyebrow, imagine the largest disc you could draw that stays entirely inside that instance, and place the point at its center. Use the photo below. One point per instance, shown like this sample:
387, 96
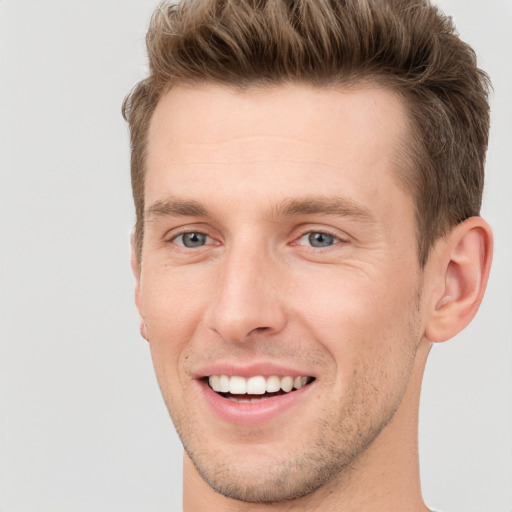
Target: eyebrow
176, 208
324, 205
291, 207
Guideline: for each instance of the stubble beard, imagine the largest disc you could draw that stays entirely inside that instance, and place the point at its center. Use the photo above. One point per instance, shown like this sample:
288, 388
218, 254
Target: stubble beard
328, 460
284, 478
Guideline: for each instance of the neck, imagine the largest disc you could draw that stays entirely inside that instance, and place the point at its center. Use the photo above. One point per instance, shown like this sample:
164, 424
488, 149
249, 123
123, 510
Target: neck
385, 478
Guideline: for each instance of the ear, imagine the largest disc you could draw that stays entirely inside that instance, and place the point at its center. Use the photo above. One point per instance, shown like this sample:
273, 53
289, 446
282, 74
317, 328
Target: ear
458, 274
134, 261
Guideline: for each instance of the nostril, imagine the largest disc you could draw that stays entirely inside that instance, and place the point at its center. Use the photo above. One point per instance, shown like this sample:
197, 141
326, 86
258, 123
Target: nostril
258, 330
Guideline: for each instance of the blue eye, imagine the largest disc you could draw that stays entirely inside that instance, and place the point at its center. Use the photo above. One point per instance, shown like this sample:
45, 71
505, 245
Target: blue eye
191, 239
318, 239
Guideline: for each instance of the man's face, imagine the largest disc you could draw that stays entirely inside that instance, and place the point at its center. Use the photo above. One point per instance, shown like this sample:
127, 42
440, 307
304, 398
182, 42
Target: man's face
279, 247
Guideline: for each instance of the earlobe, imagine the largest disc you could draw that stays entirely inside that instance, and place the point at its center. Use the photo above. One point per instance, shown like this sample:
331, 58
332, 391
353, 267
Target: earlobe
144, 330
462, 270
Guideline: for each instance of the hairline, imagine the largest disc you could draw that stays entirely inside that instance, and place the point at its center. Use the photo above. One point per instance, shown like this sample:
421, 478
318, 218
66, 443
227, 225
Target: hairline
406, 157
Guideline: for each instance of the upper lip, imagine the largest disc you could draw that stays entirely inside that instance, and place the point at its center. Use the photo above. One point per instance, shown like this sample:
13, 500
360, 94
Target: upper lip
265, 369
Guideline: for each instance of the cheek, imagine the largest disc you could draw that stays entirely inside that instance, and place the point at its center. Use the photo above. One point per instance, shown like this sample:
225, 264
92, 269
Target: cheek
363, 320
173, 302
172, 307
354, 301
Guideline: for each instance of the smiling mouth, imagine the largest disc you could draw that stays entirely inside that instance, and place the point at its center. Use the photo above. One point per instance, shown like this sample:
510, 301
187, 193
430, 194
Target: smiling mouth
257, 388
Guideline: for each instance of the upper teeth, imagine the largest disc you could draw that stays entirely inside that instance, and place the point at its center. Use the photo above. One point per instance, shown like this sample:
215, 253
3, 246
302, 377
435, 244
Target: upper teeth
257, 385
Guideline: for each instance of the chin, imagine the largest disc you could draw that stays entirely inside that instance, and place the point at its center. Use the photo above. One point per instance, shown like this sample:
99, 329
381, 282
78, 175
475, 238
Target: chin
269, 482
260, 473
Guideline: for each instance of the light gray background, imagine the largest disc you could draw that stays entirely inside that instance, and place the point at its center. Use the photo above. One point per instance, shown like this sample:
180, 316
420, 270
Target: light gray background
82, 424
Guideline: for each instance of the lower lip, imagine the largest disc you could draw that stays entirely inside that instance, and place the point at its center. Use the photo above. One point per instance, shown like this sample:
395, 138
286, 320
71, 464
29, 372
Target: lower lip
250, 413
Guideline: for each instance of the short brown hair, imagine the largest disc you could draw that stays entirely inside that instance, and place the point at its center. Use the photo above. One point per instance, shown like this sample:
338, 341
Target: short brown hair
406, 45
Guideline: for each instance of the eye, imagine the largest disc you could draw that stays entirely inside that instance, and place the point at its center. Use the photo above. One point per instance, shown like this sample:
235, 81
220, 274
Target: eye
318, 239
191, 239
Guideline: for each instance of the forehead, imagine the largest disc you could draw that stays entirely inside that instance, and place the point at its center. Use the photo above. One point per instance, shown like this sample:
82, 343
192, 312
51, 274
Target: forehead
212, 114
275, 140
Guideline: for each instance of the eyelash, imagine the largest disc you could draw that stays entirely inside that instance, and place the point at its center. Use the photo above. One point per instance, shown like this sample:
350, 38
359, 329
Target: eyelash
336, 239
189, 232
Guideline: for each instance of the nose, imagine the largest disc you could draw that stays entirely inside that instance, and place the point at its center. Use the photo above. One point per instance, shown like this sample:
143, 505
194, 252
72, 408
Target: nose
248, 297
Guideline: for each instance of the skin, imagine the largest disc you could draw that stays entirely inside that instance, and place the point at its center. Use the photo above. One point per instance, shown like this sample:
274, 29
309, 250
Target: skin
255, 174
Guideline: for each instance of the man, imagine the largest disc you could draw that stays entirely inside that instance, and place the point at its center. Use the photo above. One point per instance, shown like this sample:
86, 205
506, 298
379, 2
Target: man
307, 178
